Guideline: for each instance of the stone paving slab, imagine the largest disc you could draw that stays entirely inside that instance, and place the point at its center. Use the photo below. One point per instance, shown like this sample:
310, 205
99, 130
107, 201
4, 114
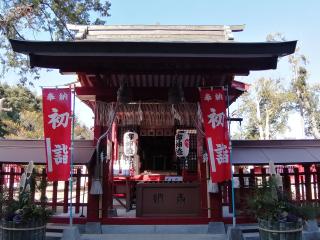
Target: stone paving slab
145, 229
156, 236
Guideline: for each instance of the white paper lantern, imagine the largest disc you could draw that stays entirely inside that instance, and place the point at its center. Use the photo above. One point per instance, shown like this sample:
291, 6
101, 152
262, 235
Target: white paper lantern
109, 150
182, 144
130, 144
212, 187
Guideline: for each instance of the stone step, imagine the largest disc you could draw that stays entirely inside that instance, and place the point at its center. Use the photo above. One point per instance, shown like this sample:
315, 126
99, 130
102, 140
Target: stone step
155, 229
155, 236
53, 235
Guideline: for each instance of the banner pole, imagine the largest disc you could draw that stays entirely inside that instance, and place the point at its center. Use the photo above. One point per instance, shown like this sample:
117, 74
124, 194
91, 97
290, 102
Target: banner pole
231, 170
72, 153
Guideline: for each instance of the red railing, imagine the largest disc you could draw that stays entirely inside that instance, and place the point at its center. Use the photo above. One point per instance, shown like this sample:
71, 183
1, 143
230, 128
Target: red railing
302, 184
57, 192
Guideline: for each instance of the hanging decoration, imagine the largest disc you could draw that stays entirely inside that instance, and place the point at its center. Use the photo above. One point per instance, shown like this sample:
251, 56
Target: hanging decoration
148, 115
182, 144
57, 132
213, 107
130, 149
130, 144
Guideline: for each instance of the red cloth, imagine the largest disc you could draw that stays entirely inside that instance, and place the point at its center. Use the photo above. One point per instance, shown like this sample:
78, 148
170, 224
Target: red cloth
213, 107
57, 132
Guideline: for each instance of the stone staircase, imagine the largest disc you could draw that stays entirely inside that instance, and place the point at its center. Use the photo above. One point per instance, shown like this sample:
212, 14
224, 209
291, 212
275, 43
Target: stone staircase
213, 231
54, 231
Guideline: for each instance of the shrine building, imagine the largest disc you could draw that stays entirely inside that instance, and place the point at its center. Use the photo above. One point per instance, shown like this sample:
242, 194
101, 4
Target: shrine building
142, 83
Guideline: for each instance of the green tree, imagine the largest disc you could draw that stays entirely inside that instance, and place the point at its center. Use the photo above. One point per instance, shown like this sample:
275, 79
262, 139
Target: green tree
23, 116
29, 126
265, 109
15, 99
306, 96
81, 131
45, 19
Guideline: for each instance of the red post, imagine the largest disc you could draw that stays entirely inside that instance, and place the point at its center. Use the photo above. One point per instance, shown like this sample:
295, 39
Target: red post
11, 183
78, 185
1, 184
66, 197
241, 191
202, 176
43, 190
318, 181
303, 192
229, 191
264, 174
252, 181
216, 204
107, 189
287, 182
297, 183
308, 182
241, 178
54, 195
93, 200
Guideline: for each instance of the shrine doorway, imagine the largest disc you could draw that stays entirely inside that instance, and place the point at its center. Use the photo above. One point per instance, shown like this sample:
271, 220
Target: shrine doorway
157, 154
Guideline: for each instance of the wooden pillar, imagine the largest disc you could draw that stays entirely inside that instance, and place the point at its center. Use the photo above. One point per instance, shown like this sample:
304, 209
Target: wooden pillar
78, 186
202, 176
43, 189
264, 174
229, 192
107, 173
32, 184
93, 200
287, 182
297, 183
252, 180
11, 183
54, 195
65, 197
216, 204
1, 185
241, 191
307, 178
318, 181
106, 189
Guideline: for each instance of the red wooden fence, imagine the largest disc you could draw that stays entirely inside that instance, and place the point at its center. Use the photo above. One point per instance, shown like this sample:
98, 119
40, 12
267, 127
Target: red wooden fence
56, 192
301, 183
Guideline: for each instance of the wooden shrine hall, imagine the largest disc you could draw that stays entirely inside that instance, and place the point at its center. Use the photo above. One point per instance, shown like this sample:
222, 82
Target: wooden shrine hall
145, 79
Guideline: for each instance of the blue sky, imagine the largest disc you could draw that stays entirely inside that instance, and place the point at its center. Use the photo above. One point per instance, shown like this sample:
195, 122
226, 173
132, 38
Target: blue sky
297, 20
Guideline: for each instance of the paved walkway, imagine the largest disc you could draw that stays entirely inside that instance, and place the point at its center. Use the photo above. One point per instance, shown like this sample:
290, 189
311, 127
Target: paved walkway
156, 236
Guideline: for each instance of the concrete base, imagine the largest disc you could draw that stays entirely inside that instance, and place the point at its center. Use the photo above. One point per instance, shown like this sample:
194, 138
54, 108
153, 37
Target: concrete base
216, 228
311, 226
310, 235
71, 233
93, 228
155, 229
155, 236
112, 212
234, 233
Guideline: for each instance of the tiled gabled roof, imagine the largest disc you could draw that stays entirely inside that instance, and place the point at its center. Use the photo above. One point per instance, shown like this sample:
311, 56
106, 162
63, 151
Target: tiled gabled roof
156, 33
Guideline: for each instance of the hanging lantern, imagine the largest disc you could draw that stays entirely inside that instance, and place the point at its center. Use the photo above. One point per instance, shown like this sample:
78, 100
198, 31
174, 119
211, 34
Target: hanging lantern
109, 150
130, 144
182, 144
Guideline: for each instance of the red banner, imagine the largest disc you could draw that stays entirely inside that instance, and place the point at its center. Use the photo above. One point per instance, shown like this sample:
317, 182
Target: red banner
213, 107
57, 132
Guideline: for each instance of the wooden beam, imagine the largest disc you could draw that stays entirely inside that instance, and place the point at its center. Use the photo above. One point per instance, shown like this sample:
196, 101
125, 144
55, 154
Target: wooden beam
98, 64
147, 94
